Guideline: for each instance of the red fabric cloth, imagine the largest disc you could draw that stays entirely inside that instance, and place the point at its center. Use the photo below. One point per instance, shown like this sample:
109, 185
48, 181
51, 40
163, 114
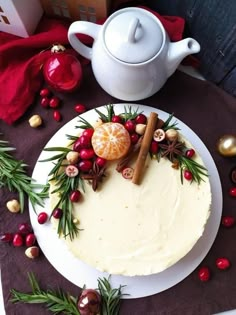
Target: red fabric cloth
22, 58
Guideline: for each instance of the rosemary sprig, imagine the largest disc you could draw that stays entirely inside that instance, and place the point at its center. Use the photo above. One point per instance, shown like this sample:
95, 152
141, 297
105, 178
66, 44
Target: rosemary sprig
58, 301
13, 176
64, 186
170, 125
197, 170
108, 116
110, 297
130, 113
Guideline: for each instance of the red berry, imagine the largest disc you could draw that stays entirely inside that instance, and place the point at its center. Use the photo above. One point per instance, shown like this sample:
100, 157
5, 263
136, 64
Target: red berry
233, 175
116, 119
75, 196
18, 240
154, 147
85, 142
42, 217
88, 133
228, 221
45, 102
190, 153
77, 145
141, 119
30, 240
101, 162
130, 126
87, 154
6, 237
188, 175
54, 102
204, 274
57, 115
232, 191
80, 109
44, 92
24, 228
128, 173
57, 213
85, 165
222, 263
71, 170
134, 138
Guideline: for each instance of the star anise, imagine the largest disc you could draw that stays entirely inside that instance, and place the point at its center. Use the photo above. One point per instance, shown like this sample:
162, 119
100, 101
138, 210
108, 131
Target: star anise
172, 149
95, 175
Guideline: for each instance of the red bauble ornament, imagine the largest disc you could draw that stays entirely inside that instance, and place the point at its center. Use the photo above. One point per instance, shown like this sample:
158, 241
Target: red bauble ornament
62, 71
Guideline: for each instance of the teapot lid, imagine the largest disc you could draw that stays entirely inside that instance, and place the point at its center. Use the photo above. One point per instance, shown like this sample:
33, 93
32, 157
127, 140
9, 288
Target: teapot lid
133, 35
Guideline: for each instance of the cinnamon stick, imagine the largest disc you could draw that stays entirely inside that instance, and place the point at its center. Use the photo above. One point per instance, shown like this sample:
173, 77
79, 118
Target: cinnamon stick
144, 149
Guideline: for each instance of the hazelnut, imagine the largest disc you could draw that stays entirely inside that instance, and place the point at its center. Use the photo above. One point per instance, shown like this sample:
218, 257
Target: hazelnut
13, 206
140, 129
72, 157
32, 252
172, 134
35, 121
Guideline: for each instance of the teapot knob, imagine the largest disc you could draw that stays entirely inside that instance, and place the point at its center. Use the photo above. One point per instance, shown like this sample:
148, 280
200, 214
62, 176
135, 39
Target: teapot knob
134, 24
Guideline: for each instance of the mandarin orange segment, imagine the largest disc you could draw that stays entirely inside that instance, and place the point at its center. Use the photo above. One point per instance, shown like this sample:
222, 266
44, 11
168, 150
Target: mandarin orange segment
111, 141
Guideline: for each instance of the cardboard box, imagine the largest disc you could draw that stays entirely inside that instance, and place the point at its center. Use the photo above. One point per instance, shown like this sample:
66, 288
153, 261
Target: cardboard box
20, 17
86, 10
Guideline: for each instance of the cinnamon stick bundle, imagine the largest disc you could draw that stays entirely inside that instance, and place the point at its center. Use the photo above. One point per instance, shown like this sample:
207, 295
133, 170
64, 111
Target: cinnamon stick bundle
144, 149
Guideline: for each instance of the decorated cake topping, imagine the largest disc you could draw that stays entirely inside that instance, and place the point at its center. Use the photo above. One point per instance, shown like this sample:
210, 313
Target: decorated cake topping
121, 140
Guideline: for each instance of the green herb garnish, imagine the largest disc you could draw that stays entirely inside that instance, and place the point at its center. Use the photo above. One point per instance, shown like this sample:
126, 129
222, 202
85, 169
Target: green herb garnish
13, 176
58, 301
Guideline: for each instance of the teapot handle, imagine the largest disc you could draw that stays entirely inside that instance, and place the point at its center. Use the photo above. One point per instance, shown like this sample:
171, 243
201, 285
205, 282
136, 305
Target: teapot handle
86, 28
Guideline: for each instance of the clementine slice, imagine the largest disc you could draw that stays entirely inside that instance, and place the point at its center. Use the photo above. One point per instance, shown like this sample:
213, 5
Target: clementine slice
111, 141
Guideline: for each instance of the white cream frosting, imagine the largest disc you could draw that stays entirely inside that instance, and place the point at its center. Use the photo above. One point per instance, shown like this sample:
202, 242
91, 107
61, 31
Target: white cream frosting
141, 229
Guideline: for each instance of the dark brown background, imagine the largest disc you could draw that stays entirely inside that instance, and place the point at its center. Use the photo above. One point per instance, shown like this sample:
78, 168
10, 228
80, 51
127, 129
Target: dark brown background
211, 113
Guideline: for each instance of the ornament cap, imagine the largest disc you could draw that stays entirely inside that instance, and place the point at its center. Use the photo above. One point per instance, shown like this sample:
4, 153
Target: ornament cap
56, 48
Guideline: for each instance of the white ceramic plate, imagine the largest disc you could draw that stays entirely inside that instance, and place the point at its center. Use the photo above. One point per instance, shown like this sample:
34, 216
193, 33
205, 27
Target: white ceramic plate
82, 274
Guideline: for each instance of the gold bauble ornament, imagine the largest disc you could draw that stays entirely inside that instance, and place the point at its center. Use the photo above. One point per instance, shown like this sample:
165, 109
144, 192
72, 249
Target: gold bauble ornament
226, 145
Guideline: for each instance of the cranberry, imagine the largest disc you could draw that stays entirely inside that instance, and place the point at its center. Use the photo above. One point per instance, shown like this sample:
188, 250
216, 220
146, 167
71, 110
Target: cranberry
154, 147
6, 237
75, 196
57, 213
30, 240
88, 133
228, 221
57, 115
71, 171
222, 263
204, 274
45, 102
85, 165
116, 119
85, 142
44, 92
141, 119
89, 302
18, 240
128, 172
190, 153
232, 191
79, 108
24, 228
87, 154
42, 217
77, 145
188, 175
101, 162
54, 102
134, 137
130, 126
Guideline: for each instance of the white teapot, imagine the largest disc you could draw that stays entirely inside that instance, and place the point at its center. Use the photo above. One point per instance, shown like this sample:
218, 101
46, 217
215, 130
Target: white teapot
131, 56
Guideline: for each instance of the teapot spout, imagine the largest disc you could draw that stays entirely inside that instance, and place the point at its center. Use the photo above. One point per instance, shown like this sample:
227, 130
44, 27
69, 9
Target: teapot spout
178, 51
